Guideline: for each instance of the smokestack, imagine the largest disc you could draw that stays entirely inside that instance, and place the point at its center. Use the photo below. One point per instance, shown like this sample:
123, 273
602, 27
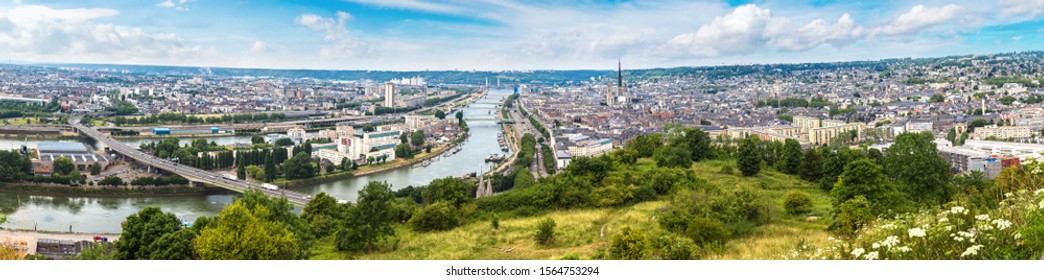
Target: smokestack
984, 105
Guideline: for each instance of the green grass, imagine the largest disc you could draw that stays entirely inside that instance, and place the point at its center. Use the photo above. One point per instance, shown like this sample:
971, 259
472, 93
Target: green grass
579, 232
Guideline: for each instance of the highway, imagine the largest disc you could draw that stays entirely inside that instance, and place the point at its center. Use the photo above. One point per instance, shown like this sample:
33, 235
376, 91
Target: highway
191, 173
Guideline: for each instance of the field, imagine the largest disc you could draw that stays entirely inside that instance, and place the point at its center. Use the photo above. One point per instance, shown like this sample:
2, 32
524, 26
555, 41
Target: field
585, 233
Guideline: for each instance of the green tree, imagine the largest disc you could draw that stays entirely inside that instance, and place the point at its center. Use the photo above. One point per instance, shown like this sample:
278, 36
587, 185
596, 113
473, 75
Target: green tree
671, 156
241, 171
749, 157
524, 178
257, 139
323, 215
453, 190
647, 144
790, 162
404, 139
270, 170
810, 168
141, 230
914, 162
173, 246
403, 150
370, 220
62, 166
626, 156
241, 234
937, 98
437, 216
284, 142
952, 136
95, 169
545, 234
629, 244
440, 114
864, 178
695, 141
417, 138
299, 167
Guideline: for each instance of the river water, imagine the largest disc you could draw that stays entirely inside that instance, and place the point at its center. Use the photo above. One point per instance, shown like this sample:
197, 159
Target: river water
86, 214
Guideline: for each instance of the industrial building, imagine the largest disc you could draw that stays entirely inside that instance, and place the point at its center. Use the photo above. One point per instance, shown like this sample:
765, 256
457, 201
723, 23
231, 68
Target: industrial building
81, 156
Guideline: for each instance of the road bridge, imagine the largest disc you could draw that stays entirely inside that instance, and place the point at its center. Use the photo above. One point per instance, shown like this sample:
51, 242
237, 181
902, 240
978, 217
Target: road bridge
191, 173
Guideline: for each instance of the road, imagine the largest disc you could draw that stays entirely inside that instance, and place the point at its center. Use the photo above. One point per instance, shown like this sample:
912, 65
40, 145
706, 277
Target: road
191, 173
523, 126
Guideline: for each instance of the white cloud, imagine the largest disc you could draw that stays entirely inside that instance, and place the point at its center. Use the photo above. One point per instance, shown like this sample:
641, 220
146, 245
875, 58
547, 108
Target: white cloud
43, 33
745, 29
819, 32
917, 19
259, 47
340, 43
1021, 7
177, 5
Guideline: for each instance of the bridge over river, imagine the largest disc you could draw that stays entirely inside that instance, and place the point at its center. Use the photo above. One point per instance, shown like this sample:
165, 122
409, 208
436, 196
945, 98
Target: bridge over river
193, 174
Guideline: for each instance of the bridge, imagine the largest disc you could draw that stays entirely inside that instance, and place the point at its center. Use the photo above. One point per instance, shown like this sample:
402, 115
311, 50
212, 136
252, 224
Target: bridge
191, 173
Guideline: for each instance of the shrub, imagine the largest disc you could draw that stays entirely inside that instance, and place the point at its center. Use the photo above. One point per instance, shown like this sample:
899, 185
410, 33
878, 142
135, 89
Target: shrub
545, 232
629, 244
727, 169
705, 231
797, 202
496, 221
436, 216
669, 247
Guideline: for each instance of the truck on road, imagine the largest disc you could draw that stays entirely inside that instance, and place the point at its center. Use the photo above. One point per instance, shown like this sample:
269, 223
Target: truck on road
270, 186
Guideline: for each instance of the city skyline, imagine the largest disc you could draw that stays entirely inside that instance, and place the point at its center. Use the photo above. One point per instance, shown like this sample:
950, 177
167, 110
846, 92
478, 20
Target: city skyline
507, 35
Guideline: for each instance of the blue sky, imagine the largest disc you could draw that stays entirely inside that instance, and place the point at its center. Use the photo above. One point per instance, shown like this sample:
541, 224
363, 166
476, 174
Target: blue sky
508, 34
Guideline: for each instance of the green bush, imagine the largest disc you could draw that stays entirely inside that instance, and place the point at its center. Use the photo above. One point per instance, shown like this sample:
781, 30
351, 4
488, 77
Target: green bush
669, 247
436, 216
797, 202
705, 231
629, 244
545, 232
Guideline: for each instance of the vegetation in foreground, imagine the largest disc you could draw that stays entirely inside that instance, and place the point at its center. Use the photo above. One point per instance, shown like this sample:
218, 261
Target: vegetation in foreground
664, 196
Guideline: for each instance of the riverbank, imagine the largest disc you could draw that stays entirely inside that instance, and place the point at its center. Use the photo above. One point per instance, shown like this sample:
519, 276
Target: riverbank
435, 152
110, 192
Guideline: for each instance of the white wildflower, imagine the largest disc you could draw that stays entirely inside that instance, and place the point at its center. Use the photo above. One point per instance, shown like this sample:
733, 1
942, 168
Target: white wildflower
958, 210
871, 255
971, 251
1038, 192
876, 245
948, 228
891, 241
1017, 236
1041, 205
1008, 194
858, 252
958, 239
916, 232
943, 220
966, 234
903, 249
888, 226
982, 217
1002, 224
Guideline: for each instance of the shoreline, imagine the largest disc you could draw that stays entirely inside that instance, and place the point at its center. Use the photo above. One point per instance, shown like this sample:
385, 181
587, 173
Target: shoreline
410, 162
107, 192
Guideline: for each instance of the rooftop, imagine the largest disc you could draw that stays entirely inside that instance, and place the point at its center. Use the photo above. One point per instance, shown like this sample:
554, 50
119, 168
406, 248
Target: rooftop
66, 147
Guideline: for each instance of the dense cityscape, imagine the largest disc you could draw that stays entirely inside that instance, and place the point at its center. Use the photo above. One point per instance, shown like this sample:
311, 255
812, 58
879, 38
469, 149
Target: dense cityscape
287, 156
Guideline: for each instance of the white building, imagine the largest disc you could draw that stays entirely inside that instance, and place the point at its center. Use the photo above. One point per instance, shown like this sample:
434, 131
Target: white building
389, 95
1002, 132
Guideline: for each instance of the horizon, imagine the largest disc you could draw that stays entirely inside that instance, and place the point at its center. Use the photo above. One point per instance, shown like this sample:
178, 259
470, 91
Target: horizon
73, 64
505, 35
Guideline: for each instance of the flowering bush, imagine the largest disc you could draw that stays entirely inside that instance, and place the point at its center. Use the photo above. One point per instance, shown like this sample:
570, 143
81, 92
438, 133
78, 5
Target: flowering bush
1014, 230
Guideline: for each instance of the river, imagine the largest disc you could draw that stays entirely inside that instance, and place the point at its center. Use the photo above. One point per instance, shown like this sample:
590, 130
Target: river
58, 213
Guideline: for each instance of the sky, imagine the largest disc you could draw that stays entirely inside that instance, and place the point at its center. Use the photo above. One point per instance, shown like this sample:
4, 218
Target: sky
508, 34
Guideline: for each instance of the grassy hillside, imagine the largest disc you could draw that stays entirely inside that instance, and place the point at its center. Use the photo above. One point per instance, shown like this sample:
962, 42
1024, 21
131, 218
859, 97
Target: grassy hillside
585, 233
